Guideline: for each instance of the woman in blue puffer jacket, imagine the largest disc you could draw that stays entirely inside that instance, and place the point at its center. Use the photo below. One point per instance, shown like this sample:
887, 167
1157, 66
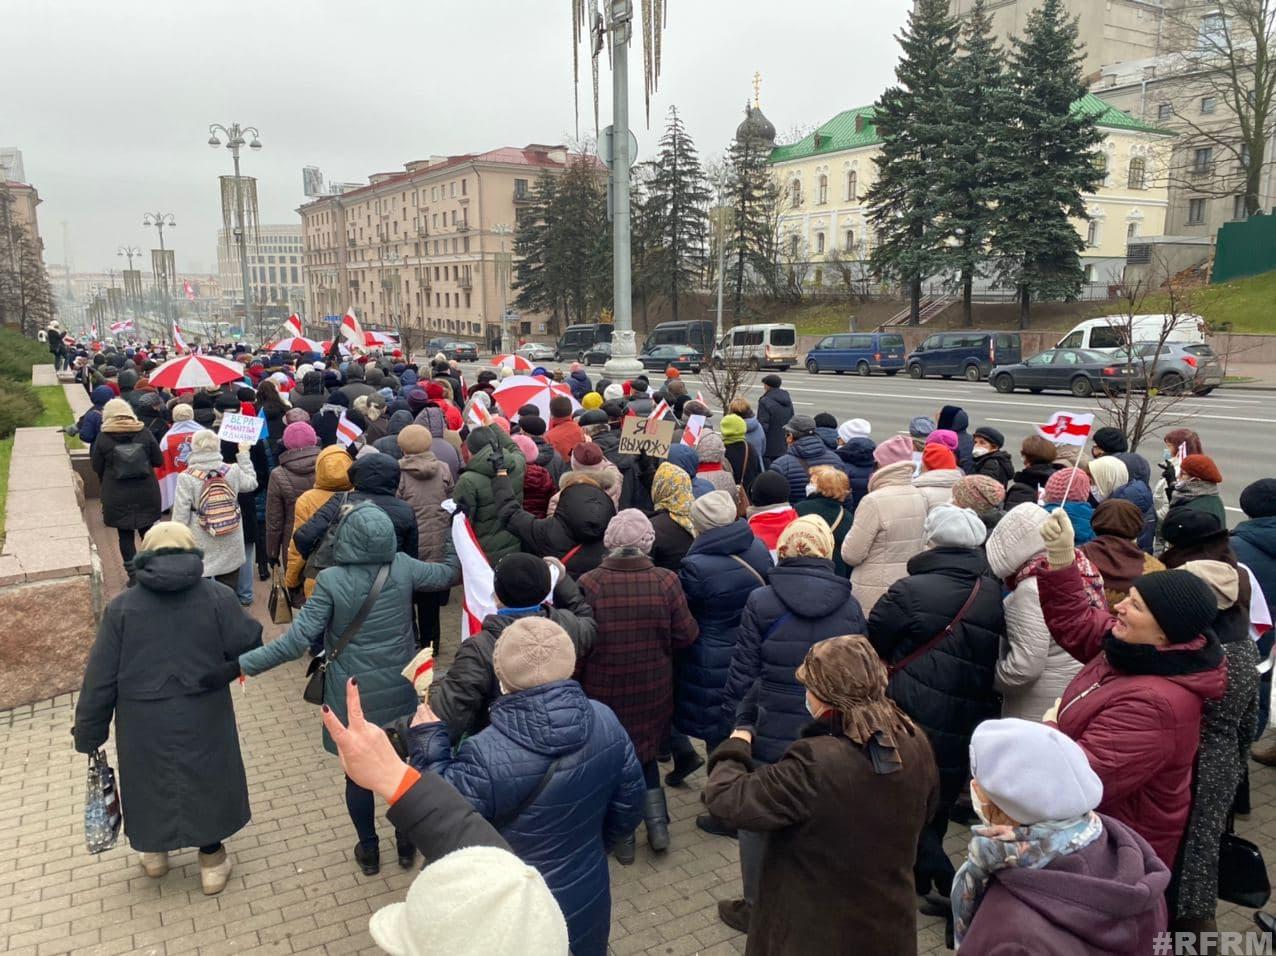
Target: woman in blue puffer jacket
554, 772
1110, 477
859, 464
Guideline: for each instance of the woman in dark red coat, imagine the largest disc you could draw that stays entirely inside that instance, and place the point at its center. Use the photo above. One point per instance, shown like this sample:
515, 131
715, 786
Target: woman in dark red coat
1135, 708
642, 619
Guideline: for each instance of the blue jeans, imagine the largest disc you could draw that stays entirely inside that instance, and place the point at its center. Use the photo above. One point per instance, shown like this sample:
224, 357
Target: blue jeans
244, 588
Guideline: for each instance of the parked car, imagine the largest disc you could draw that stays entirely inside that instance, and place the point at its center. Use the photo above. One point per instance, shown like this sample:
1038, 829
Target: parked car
576, 340
460, 351
758, 346
1111, 332
860, 352
1071, 370
598, 353
537, 352
698, 334
1175, 367
682, 357
969, 354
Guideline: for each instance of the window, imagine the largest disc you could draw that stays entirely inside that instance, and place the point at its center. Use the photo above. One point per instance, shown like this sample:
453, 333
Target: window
860, 341
824, 189
1164, 112
1212, 31
1209, 104
1138, 173
1203, 160
452, 190
1131, 230
819, 244
1092, 234
850, 240
1101, 167
793, 246
462, 187
520, 189
1073, 340
852, 186
819, 277
1238, 207
1195, 212
1243, 164
795, 193
1107, 337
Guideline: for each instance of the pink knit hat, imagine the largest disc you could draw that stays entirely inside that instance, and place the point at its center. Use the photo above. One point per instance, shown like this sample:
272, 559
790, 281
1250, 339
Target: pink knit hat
299, 435
1058, 482
526, 446
945, 437
893, 450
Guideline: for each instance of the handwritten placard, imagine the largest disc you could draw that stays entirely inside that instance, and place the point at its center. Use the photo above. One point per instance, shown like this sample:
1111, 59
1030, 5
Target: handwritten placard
240, 429
642, 436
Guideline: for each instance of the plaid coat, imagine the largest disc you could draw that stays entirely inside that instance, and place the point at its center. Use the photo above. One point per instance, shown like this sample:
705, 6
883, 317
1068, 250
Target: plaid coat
642, 618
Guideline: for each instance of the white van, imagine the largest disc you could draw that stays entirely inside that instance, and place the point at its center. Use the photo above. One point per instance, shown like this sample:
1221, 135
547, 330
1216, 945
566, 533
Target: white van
1108, 333
758, 346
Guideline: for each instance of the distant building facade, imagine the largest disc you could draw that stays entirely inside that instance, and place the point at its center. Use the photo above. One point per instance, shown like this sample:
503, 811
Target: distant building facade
274, 271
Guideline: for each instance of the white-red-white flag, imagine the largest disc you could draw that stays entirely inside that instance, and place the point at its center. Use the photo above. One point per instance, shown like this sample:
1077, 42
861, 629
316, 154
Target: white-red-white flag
477, 415
1067, 428
1260, 612
691, 434
700, 399
351, 330
347, 431
478, 598
293, 323
179, 343
175, 447
189, 290
658, 413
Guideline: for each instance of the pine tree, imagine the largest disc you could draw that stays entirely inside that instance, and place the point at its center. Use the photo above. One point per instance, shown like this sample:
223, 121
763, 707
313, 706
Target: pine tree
678, 199
975, 156
912, 117
752, 193
1050, 164
533, 273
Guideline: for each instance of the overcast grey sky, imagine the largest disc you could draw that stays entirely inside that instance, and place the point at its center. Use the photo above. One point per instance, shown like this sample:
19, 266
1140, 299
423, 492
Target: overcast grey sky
110, 102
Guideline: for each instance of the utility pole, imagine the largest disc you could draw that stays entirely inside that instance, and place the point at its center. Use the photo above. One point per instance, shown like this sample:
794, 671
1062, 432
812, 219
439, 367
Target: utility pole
503, 280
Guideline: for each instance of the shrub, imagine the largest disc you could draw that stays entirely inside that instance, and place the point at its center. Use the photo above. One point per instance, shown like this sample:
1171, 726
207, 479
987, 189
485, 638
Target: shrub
19, 406
18, 353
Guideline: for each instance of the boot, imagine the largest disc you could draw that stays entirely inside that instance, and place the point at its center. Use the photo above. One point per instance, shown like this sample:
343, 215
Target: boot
368, 858
735, 913
155, 865
624, 851
655, 814
1264, 753
712, 825
684, 765
407, 852
214, 871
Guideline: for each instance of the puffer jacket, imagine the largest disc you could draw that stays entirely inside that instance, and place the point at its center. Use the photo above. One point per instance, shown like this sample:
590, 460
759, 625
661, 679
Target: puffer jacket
473, 494
548, 458
1027, 485
538, 490
222, 553
887, 531
775, 408
384, 644
1254, 542
1137, 492
937, 485
717, 587
995, 465
796, 464
1080, 513
578, 382
424, 483
127, 502
576, 528
291, 478
332, 475
432, 419
592, 800
607, 478
859, 464
375, 479
948, 690
804, 602
755, 435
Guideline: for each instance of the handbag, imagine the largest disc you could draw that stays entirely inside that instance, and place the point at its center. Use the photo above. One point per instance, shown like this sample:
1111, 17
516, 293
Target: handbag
313, 693
278, 602
101, 806
893, 669
1242, 873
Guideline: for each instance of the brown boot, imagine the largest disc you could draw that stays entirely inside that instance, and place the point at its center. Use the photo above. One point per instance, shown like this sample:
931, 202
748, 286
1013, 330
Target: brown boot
735, 913
1264, 753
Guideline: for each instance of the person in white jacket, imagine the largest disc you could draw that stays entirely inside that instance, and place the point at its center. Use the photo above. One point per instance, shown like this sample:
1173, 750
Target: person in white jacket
223, 553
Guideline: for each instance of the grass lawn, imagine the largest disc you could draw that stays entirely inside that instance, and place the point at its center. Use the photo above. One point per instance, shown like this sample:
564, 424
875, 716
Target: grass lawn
1246, 303
57, 412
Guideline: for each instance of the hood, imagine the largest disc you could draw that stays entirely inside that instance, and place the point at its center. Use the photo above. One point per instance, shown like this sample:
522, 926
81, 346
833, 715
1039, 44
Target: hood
312, 383
366, 537
1096, 894
1137, 493
332, 469
809, 447
828, 436
1259, 533
1136, 465
685, 457
422, 465
580, 376
300, 461
809, 587
939, 478
604, 478
552, 719
376, 475
206, 460
954, 418
734, 538
585, 510
900, 473
859, 452
957, 562
1016, 540
544, 452
168, 571
779, 396
1118, 561
752, 426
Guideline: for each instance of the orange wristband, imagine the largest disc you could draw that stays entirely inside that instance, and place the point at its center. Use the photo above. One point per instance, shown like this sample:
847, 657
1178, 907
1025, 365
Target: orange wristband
410, 776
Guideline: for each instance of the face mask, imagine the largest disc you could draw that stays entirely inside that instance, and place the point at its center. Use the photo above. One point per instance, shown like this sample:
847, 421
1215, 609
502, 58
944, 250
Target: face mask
807, 700
810, 488
1166, 455
979, 451
978, 806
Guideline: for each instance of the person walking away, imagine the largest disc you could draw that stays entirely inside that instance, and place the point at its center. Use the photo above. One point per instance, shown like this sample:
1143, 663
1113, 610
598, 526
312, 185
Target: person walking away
587, 460
671, 518
982, 495
856, 449
53, 338
989, 457
332, 477
1044, 872
828, 495
573, 534
805, 451
538, 484
955, 419
563, 433
804, 602
424, 483
289, 480
1114, 549
124, 457
90, 423
375, 477
1197, 487
1254, 543
207, 501
367, 593
473, 490
711, 451
547, 748
182, 780
740, 455
938, 475
643, 620
769, 511
1038, 465
828, 876
945, 686
775, 408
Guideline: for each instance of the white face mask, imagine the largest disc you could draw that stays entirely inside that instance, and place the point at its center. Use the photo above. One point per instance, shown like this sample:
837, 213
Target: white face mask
810, 488
813, 713
1098, 493
979, 451
978, 805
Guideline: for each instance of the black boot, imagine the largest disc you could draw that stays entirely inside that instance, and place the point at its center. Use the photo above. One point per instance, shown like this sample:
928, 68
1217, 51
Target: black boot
684, 765
407, 852
655, 813
624, 851
712, 825
368, 858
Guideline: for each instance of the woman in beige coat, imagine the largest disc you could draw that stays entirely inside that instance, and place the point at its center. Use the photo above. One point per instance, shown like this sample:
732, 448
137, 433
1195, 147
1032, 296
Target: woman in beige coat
887, 529
424, 483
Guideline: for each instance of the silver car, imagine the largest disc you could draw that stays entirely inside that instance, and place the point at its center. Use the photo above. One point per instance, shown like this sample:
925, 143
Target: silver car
1177, 367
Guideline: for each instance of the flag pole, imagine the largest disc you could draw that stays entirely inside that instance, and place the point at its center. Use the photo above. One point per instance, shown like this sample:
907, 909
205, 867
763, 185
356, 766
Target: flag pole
1076, 468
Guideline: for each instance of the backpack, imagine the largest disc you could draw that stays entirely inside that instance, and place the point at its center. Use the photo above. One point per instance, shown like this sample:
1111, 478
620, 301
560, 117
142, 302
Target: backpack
217, 506
324, 553
131, 460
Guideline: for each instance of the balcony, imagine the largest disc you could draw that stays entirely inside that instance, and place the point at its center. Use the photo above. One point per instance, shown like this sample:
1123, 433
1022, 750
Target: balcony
463, 226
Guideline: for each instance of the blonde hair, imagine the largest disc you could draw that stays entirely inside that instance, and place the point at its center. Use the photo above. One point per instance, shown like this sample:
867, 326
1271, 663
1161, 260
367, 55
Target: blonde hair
830, 482
741, 407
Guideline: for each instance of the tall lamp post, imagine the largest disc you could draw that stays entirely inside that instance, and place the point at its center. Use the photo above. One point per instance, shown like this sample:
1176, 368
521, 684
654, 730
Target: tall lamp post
503, 266
237, 137
129, 252
161, 221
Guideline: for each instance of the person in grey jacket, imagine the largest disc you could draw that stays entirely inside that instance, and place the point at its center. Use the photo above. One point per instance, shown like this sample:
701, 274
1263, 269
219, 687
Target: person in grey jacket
223, 554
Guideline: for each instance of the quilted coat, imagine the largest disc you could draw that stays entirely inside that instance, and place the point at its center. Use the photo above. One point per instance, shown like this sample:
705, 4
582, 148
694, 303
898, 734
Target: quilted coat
576, 527
473, 493
937, 485
859, 465
424, 483
223, 553
385, 643
804, 602
796, 464
332, 474
887, 531
593, 798
717, 587
290, 479
376, 479
127, 502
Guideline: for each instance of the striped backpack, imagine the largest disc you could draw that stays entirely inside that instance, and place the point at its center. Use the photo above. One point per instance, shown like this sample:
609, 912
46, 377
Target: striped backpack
217, 507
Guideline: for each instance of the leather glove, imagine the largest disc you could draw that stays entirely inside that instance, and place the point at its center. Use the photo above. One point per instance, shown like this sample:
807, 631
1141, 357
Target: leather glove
1168, 473
1060, 539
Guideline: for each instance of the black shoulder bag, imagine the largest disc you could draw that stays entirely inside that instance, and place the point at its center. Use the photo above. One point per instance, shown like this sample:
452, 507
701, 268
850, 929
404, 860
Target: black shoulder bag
313, 694
893, 669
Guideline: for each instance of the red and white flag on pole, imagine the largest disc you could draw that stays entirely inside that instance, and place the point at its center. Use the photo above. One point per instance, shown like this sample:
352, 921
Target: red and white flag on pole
477, 415
478, 599
347, 431
658, 413
1067, 428
700, 399
293, 324
691, 434
351, 330
175, 446
189, 290
179, 343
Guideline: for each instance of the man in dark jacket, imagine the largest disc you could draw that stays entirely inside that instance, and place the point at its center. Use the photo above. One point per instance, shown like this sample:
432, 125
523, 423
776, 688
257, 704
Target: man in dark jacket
608, 439
955, 419
1038, 465
356, 385
1254, 542
947, 689
989, 456
376, 479
805, 450
775, 408
310, 395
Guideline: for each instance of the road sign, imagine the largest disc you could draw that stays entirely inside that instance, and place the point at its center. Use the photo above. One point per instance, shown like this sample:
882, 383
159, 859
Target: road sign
606, 147
332, 319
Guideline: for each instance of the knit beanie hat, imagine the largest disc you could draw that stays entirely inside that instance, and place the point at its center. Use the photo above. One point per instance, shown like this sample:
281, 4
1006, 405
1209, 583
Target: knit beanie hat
521, 580
533, 651
1202, 467
937, 458
1186, 525
1111, 440
587, 456
948, 526
1058, 483
854, 428
169, 534
415, 439
715, 509
117, 408
979, 493
895, 449
1258, 500
613, 392
1033, 772
526, 446
629, 528
807, 537
299, 435
417, 399
732, 429
711, 448
992, 436
102, 394
1118, 518
1182, 603
183, 412
591, 400
769, 488
532, 425
920, 427
945, 437
205, 440
296, 415
825, 420
434, 390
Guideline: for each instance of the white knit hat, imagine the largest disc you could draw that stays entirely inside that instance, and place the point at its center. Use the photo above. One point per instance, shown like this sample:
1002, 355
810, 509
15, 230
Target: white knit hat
1016, 538
476, 901
948, 526
613, 392
854, 428
1032, 771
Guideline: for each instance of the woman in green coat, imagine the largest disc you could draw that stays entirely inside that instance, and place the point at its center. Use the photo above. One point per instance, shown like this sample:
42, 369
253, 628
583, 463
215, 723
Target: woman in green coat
490, 450
378, 651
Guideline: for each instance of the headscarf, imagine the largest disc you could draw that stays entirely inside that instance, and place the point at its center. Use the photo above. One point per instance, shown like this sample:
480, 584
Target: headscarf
671, 493
1107, 474
806, 537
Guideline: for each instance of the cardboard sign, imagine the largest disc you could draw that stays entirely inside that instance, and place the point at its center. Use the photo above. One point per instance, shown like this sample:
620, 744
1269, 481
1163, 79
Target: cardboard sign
642, 436
240, 429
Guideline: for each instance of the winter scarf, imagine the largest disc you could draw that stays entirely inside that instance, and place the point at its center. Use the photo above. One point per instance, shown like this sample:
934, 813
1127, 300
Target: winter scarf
1203, 654
119, 425
671, 492
1089, 575
1186, 489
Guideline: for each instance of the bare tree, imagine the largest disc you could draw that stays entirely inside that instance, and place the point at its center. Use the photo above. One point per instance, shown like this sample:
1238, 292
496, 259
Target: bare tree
725, 380
849, 273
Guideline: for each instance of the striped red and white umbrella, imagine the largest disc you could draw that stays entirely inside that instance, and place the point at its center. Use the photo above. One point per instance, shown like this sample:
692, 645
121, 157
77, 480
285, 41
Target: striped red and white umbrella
514, 362
380, 339
295, 343
342, 348
196, 371
519, 390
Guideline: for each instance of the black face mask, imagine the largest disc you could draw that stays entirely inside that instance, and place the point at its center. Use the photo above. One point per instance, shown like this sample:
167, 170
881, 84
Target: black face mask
1149, 659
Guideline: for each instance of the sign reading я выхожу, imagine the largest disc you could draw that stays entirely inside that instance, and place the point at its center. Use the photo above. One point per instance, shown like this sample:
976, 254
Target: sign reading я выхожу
643, 436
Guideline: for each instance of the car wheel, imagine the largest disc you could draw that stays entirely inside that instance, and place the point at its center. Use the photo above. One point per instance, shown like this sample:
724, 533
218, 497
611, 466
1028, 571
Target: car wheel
1035, 391
862, 369
754, 364
1082, 387
1171, 383
972, 373
915, 371
892, 372
1205, 391
812, 367
1004, 384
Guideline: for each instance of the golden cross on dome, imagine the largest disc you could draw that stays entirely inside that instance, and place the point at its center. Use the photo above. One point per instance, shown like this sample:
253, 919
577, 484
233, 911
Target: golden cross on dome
757, 86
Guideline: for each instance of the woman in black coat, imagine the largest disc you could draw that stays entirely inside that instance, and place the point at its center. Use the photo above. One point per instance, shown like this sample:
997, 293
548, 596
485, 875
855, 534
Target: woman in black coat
182, 779
947, 690
573, 533
125, 456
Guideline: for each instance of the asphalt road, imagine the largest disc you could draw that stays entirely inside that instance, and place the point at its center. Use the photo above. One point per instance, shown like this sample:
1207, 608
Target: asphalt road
1237, 426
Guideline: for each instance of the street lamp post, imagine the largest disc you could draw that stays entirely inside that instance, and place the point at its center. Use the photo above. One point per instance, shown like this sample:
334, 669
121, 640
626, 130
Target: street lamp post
235, 136
503, 280
161, 220
129, 252
392, 311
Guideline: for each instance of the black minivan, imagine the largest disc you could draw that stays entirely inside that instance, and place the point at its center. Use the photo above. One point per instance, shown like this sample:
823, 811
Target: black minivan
697, 333
576, 340
969, 354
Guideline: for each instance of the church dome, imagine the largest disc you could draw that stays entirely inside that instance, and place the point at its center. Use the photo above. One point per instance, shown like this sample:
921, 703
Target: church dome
755, 126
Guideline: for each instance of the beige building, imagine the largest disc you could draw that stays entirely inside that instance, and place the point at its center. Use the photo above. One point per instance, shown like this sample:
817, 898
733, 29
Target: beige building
25, 199
426, 251
274, 271
825, 177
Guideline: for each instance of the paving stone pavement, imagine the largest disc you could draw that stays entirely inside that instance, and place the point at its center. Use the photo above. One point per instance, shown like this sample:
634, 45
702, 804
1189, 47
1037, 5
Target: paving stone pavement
295, 888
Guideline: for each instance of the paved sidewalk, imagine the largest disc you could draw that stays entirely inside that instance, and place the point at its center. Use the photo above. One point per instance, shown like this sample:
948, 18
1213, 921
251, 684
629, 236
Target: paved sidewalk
295, 888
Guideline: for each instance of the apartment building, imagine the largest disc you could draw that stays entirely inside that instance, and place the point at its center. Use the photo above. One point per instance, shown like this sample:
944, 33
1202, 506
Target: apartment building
274, 270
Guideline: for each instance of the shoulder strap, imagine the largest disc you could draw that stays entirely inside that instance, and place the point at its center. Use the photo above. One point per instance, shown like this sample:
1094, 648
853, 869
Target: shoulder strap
841, 513
509, 816
776, 623
895, 668
353, 627
569, 555
748, 567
